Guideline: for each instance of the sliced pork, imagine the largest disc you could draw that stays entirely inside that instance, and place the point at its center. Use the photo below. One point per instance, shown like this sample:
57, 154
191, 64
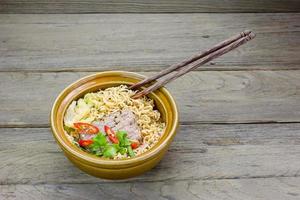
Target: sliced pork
123, 120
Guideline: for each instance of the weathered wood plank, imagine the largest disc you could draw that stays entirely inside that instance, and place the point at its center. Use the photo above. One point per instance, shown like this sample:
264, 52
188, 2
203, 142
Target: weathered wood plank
217, 97
199, 152
148, 42
235, 189
154, 6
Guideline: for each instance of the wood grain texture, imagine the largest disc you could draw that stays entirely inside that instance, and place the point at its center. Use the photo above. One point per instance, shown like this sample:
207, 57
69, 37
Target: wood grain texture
199, 152
203, 97
143, 6
148, 42
258, 83
236, 189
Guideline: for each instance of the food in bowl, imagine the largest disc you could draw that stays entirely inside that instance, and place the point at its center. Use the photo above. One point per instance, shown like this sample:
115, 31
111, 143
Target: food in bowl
110, 124
113, 168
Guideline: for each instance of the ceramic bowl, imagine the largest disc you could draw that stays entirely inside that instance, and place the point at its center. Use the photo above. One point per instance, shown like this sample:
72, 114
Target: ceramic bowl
105, 168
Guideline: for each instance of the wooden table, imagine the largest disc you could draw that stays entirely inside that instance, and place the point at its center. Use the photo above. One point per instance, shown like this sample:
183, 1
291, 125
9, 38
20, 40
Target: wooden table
239, 132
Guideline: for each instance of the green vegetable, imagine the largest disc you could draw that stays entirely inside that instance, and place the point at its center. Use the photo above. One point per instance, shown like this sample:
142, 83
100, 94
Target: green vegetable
99, 143
69, 129
116, 146
124, 144
123, 150
98, 153
101, 147
110, 151
100, 139
130, 151
123, 140
95, 148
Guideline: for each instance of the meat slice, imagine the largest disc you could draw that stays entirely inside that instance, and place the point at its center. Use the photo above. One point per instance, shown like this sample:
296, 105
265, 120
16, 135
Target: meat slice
123, 120
126, 122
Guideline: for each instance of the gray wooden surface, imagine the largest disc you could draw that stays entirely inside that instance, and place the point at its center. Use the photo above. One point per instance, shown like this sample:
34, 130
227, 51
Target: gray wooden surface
225, 162
233, 189
144, 42
199, 152
144, 6
239, 132
202, 97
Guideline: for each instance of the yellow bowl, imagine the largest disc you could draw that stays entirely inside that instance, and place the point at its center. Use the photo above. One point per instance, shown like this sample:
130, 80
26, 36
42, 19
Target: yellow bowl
105, 168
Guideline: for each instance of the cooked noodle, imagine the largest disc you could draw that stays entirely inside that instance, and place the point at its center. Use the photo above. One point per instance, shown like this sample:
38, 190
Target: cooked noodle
105, 102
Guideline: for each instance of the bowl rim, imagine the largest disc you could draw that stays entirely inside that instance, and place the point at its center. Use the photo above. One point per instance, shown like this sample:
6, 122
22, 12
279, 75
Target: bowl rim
150, 154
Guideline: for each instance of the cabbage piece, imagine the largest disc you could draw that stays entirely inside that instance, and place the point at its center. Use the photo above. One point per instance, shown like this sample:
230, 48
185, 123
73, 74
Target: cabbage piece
82, 108
77, 113
88, 98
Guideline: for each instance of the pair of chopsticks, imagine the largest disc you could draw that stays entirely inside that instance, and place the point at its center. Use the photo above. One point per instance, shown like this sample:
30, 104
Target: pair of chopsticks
179, 69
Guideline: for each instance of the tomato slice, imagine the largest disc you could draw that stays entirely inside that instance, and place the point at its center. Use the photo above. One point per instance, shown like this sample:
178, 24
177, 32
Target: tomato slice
86, 128
85, 143
135, 144
111, 134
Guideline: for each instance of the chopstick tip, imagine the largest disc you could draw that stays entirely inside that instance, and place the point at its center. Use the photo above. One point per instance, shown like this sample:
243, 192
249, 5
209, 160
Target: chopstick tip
136, 96
251, 35
246, 32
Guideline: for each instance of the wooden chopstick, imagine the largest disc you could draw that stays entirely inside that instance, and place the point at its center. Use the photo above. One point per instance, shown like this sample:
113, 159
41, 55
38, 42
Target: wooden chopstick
192, 63
190, 60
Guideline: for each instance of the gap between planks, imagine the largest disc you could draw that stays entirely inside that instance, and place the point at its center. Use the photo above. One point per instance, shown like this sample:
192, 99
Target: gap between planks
201, 68
184, 123
162, 6
106, 181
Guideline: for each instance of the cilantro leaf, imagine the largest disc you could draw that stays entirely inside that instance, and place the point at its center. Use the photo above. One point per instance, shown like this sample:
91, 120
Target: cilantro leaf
121, 134
100, 139
99, 142
95, 147
116, 146
101, 147
123, 140
109, 151
99, 153
130, 151
123, 150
